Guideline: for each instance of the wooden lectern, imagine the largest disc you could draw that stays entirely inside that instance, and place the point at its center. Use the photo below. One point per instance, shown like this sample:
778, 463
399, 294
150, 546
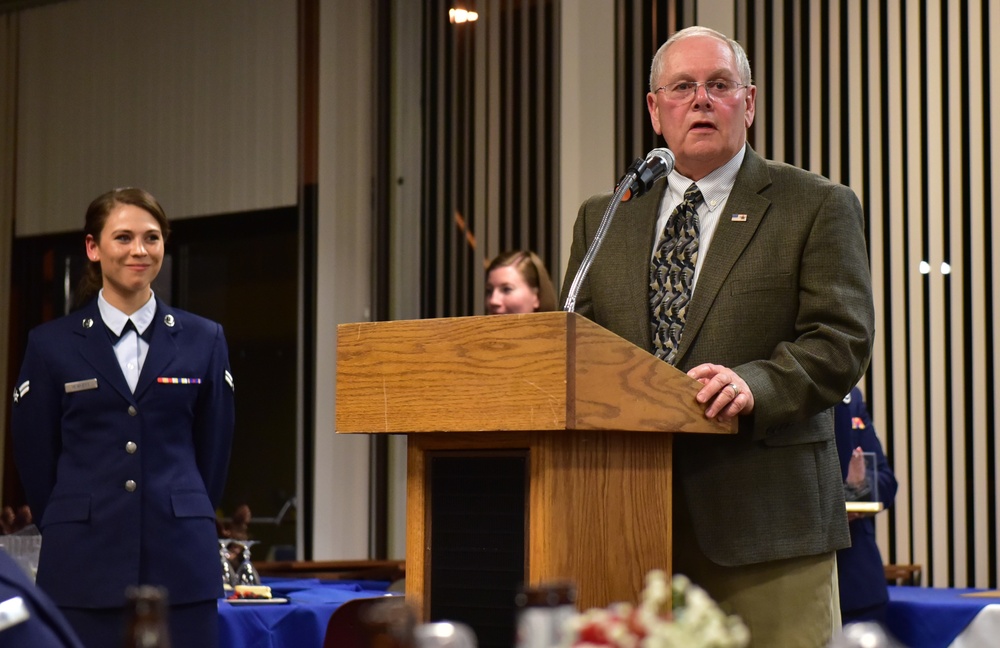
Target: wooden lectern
570, 421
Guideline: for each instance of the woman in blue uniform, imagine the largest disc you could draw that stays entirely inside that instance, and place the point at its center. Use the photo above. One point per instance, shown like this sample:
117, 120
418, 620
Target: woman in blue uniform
122, 426
863, 592
29, 618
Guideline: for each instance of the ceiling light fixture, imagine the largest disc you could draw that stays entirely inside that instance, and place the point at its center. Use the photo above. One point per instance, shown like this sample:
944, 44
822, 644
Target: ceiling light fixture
457, 16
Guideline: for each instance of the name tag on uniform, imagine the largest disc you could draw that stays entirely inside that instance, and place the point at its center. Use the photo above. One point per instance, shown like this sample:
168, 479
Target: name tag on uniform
12, 612
81, 385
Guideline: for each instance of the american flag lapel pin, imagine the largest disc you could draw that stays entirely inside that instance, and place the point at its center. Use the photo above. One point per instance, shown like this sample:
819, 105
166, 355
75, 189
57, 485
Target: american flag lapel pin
739, 218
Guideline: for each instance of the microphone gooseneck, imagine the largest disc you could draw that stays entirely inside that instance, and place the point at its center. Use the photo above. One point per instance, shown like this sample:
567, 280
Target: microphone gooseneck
638, 179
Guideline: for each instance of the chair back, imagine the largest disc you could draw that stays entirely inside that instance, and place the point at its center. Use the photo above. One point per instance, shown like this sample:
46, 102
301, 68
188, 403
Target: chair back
356, 622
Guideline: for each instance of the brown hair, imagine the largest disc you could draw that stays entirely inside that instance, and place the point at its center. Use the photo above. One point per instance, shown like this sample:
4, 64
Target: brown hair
97, 216
533, 270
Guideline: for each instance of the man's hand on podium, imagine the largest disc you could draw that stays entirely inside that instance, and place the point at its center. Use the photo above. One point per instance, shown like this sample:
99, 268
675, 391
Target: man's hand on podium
726, 394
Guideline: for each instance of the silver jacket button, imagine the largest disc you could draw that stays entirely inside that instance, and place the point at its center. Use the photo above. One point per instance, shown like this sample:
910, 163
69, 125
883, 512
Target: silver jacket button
132, 411
131, 447
130, 485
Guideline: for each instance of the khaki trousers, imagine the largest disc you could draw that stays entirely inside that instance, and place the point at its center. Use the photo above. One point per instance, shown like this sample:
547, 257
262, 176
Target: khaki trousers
791, 603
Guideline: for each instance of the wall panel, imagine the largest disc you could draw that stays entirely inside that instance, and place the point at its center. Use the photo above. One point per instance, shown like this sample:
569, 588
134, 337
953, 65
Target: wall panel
201, 110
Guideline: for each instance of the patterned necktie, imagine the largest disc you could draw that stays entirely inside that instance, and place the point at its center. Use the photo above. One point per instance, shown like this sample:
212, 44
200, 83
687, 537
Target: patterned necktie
671, 275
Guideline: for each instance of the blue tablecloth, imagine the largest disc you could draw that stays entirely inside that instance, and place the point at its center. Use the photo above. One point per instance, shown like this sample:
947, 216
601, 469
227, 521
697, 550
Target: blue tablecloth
932, 617
301, 623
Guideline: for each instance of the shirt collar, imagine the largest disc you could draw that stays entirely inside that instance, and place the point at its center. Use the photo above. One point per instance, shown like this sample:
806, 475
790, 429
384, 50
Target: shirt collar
715, 187
115, 320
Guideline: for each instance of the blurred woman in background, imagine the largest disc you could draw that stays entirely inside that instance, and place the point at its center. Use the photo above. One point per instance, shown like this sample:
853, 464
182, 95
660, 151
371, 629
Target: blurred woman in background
517, 282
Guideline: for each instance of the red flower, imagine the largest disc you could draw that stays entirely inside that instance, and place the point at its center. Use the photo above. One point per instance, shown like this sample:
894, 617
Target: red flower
593, 633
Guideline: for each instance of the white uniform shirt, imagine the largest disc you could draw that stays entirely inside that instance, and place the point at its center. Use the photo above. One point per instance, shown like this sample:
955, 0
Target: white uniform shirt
130, 349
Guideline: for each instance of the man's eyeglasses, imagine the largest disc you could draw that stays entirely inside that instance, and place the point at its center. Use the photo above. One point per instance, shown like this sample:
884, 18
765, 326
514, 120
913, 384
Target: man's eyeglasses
718, 89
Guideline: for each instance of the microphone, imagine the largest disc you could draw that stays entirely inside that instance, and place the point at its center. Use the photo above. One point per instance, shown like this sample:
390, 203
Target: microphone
638, 179
657, 164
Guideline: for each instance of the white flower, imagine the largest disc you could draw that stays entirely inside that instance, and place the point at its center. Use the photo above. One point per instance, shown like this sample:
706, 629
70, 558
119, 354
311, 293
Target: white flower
697, 622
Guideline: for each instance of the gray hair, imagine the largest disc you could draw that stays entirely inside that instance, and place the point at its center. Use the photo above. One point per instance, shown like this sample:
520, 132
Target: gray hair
742, 62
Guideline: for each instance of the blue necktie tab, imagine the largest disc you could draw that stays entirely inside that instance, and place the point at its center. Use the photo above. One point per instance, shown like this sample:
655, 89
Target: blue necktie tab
130, 326
672, 275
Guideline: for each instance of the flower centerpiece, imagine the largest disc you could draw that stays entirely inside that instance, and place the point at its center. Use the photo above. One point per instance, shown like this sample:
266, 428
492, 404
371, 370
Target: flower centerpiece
687, 619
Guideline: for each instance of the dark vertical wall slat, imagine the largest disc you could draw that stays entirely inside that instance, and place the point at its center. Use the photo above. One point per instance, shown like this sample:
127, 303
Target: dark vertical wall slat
848, 87
465, 215
509, 99
967, 290
528, 98
378, 525
308, 201
943, 234
796, 41
922, 226
992, 486
450, 131
548, 150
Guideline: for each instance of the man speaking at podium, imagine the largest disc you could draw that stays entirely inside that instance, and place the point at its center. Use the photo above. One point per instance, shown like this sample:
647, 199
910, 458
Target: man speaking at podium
752, 277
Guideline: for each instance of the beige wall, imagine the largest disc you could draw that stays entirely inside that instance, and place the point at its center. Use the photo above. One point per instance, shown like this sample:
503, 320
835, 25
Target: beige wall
340, 522
587, 109
198, 106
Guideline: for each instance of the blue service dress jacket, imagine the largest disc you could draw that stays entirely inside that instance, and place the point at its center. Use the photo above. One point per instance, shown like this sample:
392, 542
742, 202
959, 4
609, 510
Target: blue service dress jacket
33, 620
860, 568
124, 486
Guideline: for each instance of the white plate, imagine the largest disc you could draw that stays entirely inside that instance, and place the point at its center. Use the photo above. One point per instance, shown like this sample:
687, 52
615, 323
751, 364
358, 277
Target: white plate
270, 601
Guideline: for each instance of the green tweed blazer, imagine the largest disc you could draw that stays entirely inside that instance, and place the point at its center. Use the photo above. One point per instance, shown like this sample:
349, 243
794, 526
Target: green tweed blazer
784, 299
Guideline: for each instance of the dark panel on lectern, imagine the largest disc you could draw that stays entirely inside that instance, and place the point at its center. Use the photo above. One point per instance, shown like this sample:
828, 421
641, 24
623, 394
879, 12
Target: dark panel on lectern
478, 517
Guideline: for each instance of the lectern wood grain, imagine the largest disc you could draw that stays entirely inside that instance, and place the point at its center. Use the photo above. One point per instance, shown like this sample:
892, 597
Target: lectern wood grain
451, 375
594, 413
559, 370
600, 512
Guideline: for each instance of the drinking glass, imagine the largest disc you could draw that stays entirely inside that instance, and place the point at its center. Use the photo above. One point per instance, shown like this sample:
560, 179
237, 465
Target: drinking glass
246, 573
228, 575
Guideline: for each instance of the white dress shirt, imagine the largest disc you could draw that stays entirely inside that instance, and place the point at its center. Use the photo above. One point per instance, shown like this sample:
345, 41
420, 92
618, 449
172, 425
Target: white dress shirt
130, 349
